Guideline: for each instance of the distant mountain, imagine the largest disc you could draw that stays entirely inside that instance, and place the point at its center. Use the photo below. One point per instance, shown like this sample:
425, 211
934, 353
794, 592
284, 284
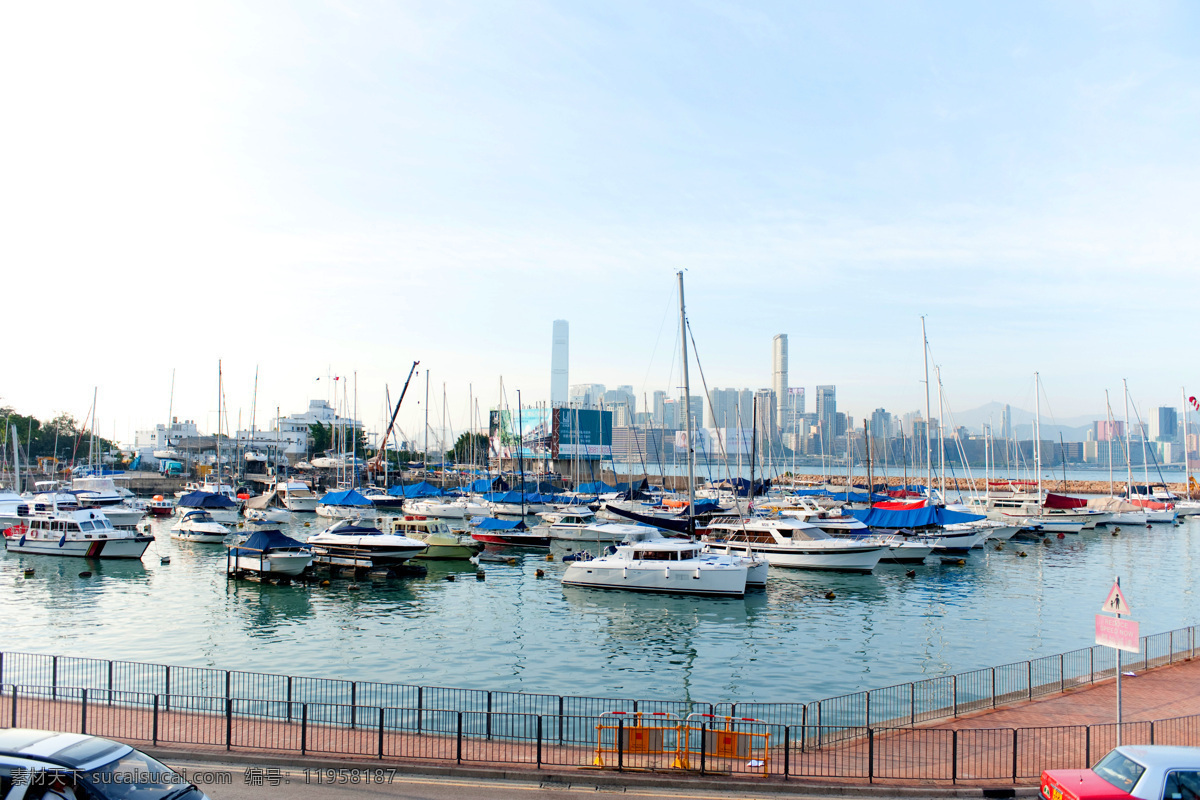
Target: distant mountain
1073, 429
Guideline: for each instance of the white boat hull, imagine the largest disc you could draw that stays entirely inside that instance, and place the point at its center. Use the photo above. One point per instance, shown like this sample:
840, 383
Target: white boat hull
841, 558
124, 547
274, 564
729, 581
346, 512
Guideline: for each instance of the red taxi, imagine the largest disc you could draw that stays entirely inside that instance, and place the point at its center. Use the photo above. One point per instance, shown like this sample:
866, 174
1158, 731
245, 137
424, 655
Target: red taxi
1147, 772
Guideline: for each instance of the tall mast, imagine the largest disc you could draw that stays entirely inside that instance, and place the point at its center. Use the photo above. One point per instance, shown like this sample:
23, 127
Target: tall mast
937, 371
1037, 433
219, 392
1108, 407
1128, 446
426, 445
170, 412
928, 414
1187, 464
521, 451
687, 409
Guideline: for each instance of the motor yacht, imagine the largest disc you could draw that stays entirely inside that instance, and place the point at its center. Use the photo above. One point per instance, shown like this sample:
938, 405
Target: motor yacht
788, 542
221, 508
350, 542
198, 525
52, 530
440, 541
296, 495
270, 553
646, 561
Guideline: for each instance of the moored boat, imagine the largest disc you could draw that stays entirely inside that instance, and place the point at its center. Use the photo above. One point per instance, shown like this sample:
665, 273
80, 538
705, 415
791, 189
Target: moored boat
648, 562
82, 533
270, 553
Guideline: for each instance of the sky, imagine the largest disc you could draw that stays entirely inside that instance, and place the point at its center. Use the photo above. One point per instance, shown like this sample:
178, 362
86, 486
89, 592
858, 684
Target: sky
343, 188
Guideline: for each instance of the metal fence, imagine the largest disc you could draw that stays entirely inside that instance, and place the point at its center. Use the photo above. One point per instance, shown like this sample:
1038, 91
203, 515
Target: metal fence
656, 741
902, 705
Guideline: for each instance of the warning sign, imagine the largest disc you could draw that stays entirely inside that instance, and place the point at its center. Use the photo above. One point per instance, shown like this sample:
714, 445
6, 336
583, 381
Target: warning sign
1115, 604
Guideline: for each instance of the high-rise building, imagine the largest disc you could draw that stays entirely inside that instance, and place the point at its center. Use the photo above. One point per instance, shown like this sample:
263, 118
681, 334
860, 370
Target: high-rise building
767, 427
881, 424
779, 378
659, 398
559, 362
586, 395
1164, 424
723, 411
827, 413
1006, 431
1109, 430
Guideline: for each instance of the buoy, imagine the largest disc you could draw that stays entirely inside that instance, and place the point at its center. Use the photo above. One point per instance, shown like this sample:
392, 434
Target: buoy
912, 573
241, 524
29, 573
1062, 535
480, 575
999, 546
1116, 530
307, 524
1046, 542
85, 574
1022, 554
158, 498
541, 573
830, 596
962, 562
352, 587
512, 562
450, 578
325, 582
549, 557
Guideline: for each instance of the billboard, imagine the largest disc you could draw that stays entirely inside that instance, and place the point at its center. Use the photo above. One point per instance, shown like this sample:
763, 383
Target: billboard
513, 436
581, 433
708, 441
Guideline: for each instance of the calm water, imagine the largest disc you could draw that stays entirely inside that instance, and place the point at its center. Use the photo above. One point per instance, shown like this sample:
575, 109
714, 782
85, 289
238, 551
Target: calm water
515, 631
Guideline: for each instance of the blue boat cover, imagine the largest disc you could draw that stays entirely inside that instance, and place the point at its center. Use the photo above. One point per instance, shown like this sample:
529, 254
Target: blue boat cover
350, 497
206, 500
265, 541
860, 497
488, 485
596, 487
489, 524
421, 489
912, 518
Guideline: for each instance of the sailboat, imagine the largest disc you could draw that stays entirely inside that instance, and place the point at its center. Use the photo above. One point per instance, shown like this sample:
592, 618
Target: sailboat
649, 562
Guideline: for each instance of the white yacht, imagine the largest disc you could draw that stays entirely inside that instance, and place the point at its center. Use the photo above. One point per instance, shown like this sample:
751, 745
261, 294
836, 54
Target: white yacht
198, 525
270, 553
786, 542
348, 542
69, 531
296, 495
648, 562
222, 509
579, 523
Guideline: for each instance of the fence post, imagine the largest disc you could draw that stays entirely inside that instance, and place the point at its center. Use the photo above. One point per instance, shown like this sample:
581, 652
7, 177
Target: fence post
993, 687
1145, 653
912, 704
1151, 731
560, 719
870, 755
489, 715
381, 734
110, 681
1015, 755
954, 756
14, 707
954, 689
54, 676
787, 749
228, 724
867, 711
1171, 649
1029, 677
353, 704
420, 700
167, 691
1087, 747
1, 667
539, 741
1091, 665
303, 728
154, 727
289, 698
1062, 675
458, 749
621, 747
83, 713
803, 725
227, 685
703, 745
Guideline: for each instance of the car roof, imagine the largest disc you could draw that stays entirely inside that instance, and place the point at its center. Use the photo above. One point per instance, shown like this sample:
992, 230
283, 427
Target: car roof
1161, 756
73, 750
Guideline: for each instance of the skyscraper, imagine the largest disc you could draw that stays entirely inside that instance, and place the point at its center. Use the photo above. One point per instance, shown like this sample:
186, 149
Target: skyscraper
1006, 431
559, 360
779, 377
827, 412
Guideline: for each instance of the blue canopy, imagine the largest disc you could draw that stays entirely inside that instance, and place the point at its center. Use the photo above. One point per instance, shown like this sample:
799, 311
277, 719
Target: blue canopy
264, 541
859, 497
206, 500
596, 487
488, 485
350, 497
912, 518
422, 489
489, 524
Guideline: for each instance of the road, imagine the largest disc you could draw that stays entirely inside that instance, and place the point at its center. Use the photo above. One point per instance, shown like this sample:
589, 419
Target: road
239, 782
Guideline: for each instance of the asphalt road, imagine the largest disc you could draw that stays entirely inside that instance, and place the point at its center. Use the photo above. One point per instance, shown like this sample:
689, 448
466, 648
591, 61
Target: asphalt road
239, 782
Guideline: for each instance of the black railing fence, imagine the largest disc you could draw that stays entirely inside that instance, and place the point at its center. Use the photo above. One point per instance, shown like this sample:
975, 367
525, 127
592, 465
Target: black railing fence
866, 734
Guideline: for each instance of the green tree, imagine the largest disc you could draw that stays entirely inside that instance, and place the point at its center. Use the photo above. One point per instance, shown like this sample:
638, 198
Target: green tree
467, 451
319, 437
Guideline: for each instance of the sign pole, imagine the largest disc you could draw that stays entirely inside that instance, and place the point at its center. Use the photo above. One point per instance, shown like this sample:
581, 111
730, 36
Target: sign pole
1118, 579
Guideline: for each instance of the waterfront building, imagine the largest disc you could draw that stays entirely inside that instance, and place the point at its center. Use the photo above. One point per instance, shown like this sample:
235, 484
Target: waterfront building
1108, 430
1164, 424
881, 424
779, 378
559, 363
1006, 429
659, 399
163, 437
826, 397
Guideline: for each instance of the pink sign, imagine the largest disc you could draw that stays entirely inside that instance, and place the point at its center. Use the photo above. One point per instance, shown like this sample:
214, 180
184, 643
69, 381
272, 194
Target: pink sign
1119, 633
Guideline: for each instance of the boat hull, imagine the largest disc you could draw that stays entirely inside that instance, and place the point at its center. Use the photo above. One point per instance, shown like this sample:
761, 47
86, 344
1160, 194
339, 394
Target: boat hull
127, 547
282, 564
512, 539
657, 579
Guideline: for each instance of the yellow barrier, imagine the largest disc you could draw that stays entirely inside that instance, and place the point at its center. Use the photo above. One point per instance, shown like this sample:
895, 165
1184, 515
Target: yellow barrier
638, 738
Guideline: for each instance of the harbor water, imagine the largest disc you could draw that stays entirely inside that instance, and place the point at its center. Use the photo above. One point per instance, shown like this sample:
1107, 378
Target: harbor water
516, 631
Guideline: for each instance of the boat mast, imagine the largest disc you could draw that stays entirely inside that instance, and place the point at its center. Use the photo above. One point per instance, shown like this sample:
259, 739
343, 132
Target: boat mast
687, 410
937, 371
521, 451
426, 445
1128, 446
1037, 433
1187, 464
170, 412
928, 414
753, 455
219, 392
1108, 406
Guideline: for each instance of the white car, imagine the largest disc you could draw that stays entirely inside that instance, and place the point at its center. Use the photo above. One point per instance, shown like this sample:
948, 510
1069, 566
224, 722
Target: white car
36, 764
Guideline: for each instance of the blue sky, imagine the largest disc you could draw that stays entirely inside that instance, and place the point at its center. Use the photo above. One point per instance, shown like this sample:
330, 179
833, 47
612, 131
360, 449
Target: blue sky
355, 185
